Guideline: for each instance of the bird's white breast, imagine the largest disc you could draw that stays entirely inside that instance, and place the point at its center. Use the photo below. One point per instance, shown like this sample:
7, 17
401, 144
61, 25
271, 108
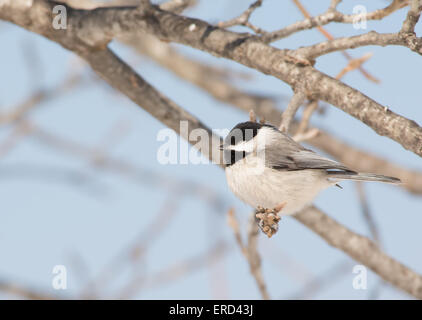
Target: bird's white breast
258, 185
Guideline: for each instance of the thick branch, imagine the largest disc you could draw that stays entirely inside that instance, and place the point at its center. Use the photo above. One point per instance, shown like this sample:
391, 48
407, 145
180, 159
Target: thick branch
95, 28
412, 16
120, 76
217, 83
363, 250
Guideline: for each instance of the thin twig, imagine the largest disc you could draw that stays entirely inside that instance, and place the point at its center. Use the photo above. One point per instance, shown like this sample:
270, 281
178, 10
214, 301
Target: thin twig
354, 64
366, 212
137, 248
318, 283
330, 37
243, 19
254, 257
307, 135
250, 250
334, 4
27, 293
306, 116
296, 101
176, 271
331, 16
373, 230
19, 132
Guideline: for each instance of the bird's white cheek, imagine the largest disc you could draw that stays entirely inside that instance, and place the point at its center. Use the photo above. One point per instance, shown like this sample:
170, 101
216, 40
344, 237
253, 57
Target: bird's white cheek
244, 146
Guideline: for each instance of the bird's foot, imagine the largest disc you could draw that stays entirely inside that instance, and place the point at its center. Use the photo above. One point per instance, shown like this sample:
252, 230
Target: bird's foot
268, 219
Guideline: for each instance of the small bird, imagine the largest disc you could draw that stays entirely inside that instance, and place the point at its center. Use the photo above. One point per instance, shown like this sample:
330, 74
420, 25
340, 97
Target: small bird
267, 169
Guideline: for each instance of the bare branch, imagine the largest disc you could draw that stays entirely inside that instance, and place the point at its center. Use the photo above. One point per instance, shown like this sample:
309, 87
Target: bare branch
330, 37
363, 250
124, 79
217, 83
136, 250
315, 285
252, 116
250, 250
306, 117
27, 293
254, 258
22, 109
366, 39
101, 25
307, 135
331, 16
377, 14
412, 17
334, 4
353, 65
265, 108
18, 133
243, 19
367, 213
176, 271
297, 100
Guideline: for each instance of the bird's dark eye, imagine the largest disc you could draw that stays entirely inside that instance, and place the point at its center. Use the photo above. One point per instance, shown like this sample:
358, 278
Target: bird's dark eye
230, 157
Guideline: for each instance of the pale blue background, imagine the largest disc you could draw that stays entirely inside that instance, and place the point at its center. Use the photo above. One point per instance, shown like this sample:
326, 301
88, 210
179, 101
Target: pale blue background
45, 221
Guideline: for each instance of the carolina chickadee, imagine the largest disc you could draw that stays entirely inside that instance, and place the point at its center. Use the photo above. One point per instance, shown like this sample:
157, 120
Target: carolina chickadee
266, 168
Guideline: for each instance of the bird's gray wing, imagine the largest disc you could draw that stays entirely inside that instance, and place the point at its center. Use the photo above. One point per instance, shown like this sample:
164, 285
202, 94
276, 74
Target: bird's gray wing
287, 154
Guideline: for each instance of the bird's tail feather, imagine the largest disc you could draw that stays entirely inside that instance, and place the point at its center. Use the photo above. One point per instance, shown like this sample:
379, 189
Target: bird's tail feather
339, 175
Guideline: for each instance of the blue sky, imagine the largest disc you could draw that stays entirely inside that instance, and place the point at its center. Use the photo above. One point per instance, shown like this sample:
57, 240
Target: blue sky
45, 221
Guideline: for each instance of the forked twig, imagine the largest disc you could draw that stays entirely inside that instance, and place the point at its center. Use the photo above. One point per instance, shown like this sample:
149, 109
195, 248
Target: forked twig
250, 250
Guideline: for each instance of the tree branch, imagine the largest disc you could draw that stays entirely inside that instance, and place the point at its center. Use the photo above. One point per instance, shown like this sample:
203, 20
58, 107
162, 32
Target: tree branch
368, 39
248, 51
217, 83
363, 250
412, 17
243, 19
331, 15
297, 100
250, 250
94, 29
222, 90
27, 293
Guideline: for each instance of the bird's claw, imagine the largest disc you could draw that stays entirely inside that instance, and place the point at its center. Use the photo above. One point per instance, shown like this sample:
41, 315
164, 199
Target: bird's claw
268, 219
